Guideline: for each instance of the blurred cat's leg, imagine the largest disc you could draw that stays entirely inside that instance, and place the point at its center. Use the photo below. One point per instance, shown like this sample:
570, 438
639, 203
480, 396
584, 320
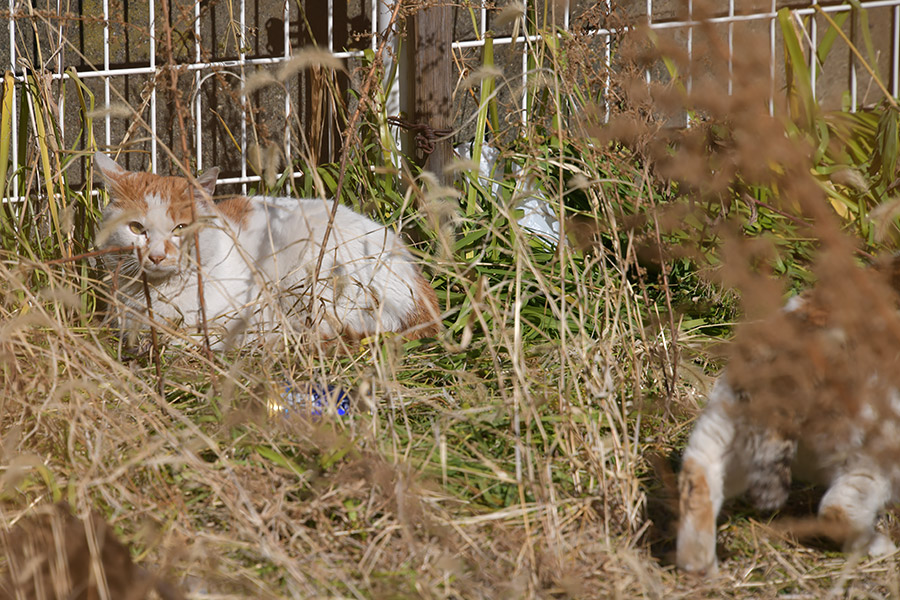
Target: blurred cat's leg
709, 472
851, 507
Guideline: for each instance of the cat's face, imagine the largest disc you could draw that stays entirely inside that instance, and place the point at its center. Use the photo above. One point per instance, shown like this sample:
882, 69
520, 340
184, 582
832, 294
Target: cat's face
155, 215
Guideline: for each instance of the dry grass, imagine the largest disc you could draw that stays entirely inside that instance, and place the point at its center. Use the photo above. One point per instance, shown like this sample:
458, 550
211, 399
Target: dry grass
202, 483
527, 452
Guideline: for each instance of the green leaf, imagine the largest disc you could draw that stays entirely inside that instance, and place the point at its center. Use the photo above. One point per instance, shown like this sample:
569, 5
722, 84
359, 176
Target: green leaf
6, 126
470, 238
871, 55
280, 459
887, 145
487, 94
829, 37
328, 179
802, 100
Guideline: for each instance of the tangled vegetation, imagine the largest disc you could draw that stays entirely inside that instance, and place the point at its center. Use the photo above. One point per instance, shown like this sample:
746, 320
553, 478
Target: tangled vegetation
529, 449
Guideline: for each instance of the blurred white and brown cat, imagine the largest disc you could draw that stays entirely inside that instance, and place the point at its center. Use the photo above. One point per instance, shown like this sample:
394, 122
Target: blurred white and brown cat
810, 393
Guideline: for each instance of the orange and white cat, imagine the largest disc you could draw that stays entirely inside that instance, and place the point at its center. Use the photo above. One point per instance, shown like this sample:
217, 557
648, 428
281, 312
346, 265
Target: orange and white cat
257, 258
812, 393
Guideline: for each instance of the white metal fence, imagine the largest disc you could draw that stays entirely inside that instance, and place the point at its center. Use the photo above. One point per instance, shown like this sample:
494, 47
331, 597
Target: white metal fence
22, 16
24, 20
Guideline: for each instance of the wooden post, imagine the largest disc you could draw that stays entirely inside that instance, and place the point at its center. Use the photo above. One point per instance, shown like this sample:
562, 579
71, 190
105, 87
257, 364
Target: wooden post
433, 81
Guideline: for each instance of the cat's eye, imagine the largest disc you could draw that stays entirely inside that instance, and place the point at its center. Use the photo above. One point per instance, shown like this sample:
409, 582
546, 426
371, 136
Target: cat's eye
136, 228
178, 229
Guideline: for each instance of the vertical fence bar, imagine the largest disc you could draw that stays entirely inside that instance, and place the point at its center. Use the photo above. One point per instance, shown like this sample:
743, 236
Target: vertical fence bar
607, 57
332, 143
647, 74
288, 87
730, 47
12, 36
690, 48
772, 61
287, 30
524, 66
107, 119
813, 43
14, 129
852, 58
59, 69
198, 131
375, 27
386, 57
153, 135
392, 62
895, 52
331, 25
242, 63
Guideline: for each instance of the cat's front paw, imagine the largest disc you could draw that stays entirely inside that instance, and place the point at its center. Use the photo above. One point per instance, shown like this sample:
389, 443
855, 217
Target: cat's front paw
880, 545
696, 550
697, 560
696, 546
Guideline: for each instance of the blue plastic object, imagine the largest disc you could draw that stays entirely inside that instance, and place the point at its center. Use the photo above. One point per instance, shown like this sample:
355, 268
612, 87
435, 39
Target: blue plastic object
310, 399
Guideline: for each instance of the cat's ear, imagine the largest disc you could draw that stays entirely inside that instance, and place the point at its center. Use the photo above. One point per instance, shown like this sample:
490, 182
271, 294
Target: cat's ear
207, 181
108, 168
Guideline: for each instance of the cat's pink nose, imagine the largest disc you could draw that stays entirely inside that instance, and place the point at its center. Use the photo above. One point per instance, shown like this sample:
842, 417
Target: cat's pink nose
157, 258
